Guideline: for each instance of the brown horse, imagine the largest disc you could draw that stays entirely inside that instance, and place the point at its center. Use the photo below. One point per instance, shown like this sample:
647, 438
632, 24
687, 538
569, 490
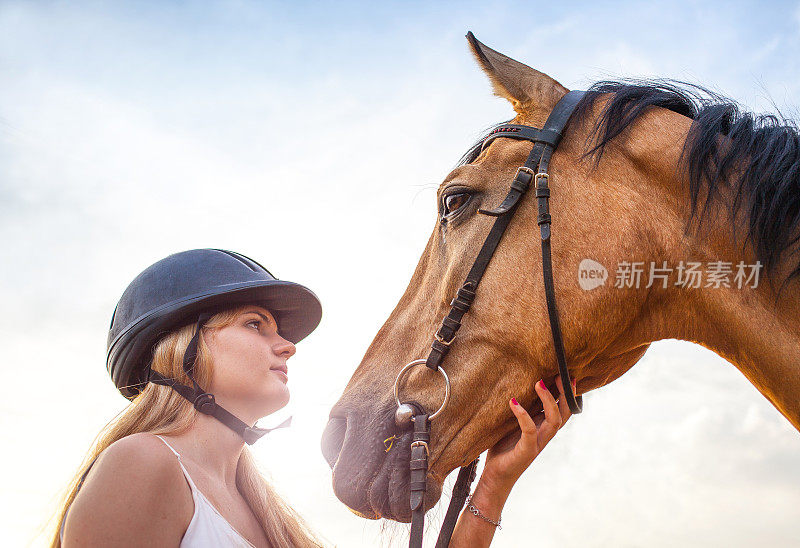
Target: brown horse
636, 162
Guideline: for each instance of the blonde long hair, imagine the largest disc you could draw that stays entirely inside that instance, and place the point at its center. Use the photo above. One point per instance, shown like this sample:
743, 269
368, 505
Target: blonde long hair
160, 410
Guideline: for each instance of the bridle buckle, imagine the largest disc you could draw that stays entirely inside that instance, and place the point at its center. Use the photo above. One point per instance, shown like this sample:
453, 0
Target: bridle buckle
421, 444
441, 340
525, 169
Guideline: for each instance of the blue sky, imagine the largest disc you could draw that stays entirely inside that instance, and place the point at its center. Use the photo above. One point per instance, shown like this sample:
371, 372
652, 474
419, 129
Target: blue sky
302, 133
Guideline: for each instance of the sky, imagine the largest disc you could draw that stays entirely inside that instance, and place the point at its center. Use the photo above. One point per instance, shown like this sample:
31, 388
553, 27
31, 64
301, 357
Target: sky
312, 137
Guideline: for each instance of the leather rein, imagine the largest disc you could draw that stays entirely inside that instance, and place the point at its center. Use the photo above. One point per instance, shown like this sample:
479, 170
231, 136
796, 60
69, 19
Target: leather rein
532, 172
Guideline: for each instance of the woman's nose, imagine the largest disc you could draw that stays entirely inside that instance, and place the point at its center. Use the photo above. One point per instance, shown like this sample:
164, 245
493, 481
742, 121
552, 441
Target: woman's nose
284, 348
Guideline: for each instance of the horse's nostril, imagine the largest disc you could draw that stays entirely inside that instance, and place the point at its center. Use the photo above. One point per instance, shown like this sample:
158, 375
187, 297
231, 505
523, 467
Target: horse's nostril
332, 440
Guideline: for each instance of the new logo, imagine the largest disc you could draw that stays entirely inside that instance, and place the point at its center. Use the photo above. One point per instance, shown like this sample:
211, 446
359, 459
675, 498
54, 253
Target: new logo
591, 274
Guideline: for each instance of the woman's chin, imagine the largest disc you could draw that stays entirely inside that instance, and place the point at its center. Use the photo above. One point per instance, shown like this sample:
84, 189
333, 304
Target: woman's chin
273, 399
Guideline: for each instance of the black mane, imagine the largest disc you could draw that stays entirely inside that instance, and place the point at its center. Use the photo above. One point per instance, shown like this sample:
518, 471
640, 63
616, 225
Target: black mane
760, 160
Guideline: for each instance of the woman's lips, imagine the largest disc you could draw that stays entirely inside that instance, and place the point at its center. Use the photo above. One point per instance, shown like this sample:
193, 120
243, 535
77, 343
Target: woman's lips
283, 376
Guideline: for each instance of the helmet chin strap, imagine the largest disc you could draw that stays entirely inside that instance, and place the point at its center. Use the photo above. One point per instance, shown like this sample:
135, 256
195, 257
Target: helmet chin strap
203, 401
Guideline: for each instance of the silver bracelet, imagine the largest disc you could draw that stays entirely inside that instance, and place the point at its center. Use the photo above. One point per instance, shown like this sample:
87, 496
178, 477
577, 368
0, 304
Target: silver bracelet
477, 513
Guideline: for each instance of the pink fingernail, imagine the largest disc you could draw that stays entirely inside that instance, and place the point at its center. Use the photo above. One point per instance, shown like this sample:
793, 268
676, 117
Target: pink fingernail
514, 401
541, 384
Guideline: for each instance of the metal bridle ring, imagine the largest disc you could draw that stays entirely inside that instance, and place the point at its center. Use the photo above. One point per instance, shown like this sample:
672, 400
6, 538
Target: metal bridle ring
446, 386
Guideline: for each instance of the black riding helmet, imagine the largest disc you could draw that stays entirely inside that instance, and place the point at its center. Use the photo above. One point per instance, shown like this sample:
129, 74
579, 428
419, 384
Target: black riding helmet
186, 288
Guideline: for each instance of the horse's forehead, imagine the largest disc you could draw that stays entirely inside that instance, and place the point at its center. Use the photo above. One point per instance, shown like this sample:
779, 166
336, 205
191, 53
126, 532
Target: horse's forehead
503, 152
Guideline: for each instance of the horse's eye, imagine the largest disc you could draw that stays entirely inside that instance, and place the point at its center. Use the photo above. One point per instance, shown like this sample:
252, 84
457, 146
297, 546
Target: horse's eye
454, 202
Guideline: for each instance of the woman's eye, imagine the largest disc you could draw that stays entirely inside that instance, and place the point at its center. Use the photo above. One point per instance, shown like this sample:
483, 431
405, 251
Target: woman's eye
256, 324
454, 202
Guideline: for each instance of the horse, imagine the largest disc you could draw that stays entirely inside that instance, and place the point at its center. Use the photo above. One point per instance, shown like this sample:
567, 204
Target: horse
652, 180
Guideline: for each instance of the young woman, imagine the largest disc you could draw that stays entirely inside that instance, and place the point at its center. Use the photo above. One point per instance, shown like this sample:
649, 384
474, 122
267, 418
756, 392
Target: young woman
173, 469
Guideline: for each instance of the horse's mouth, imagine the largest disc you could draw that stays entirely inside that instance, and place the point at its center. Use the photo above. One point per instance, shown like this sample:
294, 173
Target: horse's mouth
371, 472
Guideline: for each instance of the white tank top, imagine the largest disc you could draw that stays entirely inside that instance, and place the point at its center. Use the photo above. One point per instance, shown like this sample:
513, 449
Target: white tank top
207, 528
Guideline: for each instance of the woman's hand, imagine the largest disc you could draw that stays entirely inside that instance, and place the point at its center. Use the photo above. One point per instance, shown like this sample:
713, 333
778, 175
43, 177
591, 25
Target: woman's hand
505, 463
512, 455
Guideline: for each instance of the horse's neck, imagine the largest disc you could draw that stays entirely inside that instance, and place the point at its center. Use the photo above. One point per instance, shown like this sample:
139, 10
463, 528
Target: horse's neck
744, 328
747, 326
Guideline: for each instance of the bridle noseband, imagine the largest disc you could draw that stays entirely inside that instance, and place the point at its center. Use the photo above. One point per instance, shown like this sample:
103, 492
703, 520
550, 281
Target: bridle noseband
533, 171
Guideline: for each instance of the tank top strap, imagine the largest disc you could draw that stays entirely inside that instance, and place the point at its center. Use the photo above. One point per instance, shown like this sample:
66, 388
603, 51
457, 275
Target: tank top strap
191, 483
168, 445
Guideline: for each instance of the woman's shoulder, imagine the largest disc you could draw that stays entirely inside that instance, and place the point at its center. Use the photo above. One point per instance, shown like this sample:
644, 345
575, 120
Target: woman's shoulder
138, 461
134, 483
143, 447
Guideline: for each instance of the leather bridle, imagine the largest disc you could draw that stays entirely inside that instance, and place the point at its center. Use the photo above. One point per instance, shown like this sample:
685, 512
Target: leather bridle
533, 171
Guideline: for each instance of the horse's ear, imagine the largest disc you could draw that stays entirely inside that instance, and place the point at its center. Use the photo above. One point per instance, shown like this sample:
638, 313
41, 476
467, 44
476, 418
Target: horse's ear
527, 89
